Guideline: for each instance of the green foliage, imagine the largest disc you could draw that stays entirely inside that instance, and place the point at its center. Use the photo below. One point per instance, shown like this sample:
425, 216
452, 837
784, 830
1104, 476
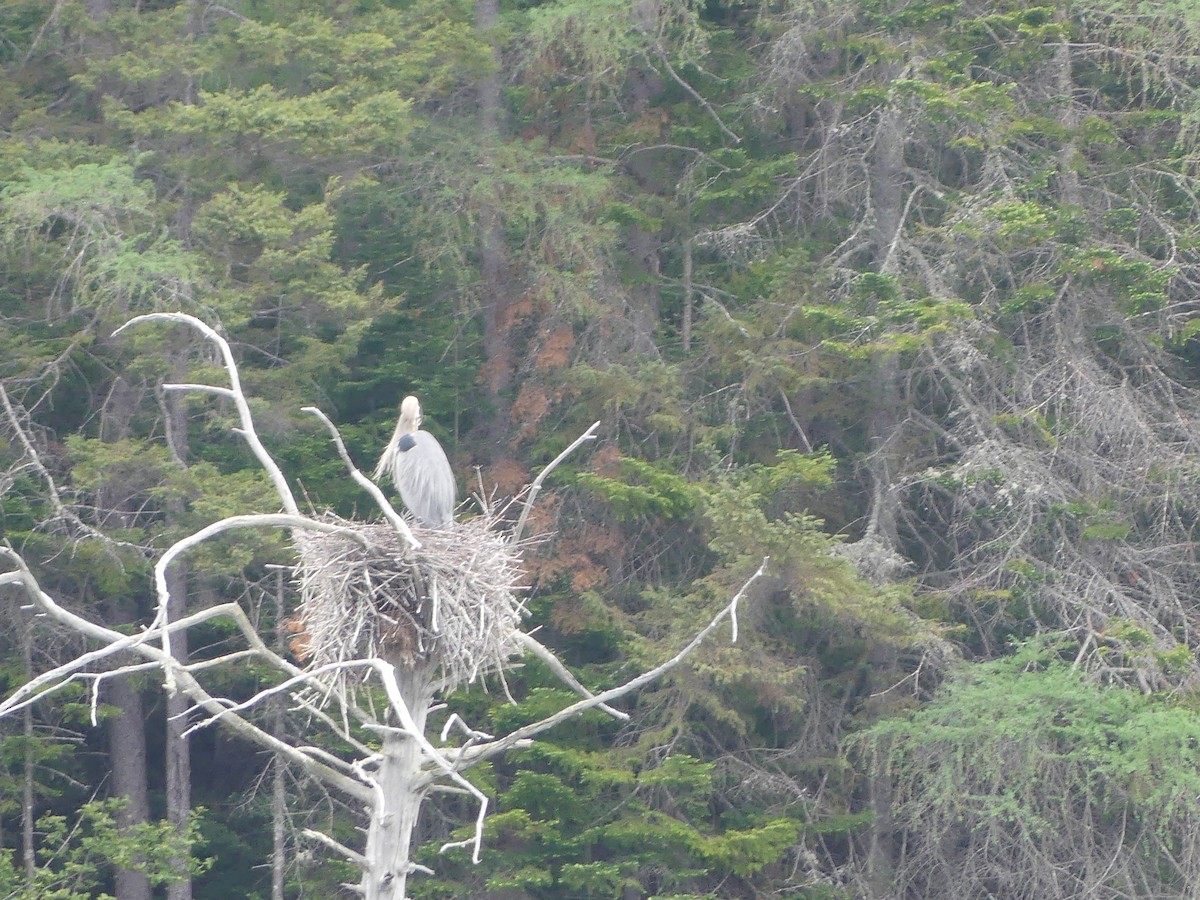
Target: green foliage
640, 489
638, 828
949, 245
267, 250
95, 227
1029, 748
78, 854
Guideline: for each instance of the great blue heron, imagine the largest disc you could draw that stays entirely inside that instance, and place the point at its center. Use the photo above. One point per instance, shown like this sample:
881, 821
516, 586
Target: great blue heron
418, 467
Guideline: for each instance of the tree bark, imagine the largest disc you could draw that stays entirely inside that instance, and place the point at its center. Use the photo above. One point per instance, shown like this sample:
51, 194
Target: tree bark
881, 848
887, 203
178, 754
880, 871
887, 186
178, 749
127, 759
126, 730
500, 361
1069, 117
402, 789
646, 297
278, 775
27, 785
685, 328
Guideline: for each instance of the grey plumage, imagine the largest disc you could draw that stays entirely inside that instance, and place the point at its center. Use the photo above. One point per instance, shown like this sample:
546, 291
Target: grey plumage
419, 469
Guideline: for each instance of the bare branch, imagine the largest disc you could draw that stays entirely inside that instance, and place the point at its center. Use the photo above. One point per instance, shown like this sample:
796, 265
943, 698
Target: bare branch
695, 95
200, 388
306, 678
55, 498
278, 520
115, 642
456, 721
364, 482
493, 748
795, 422
543, 653
235, 394
536, 487
341, 849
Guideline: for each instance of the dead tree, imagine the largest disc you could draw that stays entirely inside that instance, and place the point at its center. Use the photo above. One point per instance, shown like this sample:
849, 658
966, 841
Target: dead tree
414, 612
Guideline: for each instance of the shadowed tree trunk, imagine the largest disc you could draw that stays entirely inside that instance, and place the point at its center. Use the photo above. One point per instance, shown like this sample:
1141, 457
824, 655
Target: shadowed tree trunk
178, 755
887, 200
1069, 117
685, 324
887, 203
645, 297
27, 816
127, 729
127, 759
499, 362
278, 775
278, 818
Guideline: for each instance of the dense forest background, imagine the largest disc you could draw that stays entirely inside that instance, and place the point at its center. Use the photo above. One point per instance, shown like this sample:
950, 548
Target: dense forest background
903, 294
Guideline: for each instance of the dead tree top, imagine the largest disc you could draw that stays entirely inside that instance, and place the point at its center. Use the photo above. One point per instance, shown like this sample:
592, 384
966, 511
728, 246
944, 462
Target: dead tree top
376, 597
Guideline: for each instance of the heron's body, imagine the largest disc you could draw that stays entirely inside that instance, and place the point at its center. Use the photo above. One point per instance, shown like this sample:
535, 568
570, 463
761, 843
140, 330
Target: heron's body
419, 469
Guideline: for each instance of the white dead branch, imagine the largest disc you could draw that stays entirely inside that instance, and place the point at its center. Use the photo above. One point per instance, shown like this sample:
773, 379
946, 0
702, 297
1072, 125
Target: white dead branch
418, 611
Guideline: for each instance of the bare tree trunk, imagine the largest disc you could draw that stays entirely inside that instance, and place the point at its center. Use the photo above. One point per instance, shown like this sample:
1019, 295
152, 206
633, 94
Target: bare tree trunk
487, 18
887, 203
278, 775
1065, 88
127, 759
646, 297
178, 749
686, 324
882, 461
27, 817
278, 816
887, 186
880, 874
881, 847
402, 788
126, 731
493, 262
195, 18
178, 755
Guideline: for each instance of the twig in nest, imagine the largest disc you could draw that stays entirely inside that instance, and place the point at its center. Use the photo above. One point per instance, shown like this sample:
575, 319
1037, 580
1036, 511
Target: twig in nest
456, 602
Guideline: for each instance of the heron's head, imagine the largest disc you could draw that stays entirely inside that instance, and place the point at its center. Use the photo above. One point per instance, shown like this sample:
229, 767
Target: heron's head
410, 415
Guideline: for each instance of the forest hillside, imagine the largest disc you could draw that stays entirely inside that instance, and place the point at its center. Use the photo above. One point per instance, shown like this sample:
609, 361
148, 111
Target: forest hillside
902, 294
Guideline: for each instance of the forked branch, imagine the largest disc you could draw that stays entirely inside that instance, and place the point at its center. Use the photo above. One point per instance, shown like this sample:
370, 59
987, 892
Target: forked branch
356, 775
536, 487
113, 642
234, 393
385, 506
489, 749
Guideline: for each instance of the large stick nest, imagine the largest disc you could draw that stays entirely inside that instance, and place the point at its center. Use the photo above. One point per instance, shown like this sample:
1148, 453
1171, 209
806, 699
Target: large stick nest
455, 603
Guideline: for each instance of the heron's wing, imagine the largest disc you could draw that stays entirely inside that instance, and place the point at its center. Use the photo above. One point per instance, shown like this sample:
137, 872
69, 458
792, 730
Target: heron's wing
425, 480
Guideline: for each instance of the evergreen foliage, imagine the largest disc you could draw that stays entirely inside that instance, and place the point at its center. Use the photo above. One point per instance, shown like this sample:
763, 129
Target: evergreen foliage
1022, 774
77, 853
902, 295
